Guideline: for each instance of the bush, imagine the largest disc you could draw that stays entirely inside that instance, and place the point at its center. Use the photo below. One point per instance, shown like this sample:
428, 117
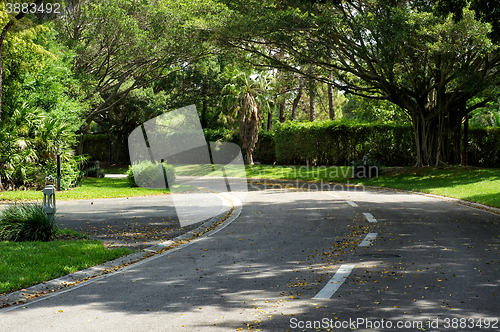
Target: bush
147, 174
71, 172
25, 222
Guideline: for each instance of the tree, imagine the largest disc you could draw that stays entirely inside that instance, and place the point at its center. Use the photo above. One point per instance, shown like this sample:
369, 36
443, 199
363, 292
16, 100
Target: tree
7, 22
123, 46
41, 109
485, 10
247, 96
400, 51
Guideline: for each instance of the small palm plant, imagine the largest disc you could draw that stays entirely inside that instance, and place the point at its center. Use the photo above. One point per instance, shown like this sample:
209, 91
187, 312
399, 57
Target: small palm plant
26, 222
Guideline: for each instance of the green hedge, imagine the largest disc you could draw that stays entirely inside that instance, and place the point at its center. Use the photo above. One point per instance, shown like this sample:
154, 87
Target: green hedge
97, 146
484, 147
341, 142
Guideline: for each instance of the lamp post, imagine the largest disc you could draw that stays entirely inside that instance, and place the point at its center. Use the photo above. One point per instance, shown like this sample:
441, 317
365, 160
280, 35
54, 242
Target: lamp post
49, 198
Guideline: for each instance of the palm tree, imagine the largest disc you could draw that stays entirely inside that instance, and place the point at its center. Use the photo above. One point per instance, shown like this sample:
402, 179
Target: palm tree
247, 94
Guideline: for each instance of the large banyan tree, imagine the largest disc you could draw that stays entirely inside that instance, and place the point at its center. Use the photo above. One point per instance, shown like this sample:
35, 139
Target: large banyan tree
437, 68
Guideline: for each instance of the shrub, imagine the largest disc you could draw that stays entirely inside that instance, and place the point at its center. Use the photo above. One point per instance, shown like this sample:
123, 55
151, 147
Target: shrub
71, 172
25, 222
147, 174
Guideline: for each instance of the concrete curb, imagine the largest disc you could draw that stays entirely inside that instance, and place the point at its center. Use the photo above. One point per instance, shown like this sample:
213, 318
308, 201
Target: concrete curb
230, 210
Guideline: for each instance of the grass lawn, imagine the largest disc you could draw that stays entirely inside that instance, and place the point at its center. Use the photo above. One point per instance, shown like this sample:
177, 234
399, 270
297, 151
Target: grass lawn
23, 264
90, 188
475, 185
471, 184
306, 173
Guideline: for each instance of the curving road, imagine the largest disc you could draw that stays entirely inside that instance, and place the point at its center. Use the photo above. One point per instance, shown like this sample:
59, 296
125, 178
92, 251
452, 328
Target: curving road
399, 260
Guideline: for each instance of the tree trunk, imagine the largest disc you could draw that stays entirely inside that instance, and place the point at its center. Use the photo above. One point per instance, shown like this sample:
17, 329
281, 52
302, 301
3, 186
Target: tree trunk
249, 130
312, 100
331, 100
270, 119
431, 137
465, 140
297, 98
249, 158
282, 112
204, 108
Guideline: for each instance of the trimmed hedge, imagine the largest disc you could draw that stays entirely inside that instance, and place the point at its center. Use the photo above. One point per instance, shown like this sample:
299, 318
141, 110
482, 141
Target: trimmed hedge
341, 142
484, 147
107, 147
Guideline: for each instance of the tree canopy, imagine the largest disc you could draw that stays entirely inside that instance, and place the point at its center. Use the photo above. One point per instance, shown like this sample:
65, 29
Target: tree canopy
430, 66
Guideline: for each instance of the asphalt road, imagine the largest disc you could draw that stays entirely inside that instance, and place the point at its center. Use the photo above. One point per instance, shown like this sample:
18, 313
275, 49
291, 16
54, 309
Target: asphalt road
431, 262
133, 222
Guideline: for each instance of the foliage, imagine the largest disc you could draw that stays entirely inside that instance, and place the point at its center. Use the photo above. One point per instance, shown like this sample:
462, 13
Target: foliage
399, 51
123, 46
25, 222
146, 172
373, 110
29, 141
200, 83
41, 110
24, 264
341, 142
484, 147
488, 116
485, 10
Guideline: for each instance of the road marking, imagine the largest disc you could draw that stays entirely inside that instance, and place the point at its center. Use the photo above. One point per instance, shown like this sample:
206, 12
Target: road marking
334, 195
368, 239
351, 203
370, 217
334, 283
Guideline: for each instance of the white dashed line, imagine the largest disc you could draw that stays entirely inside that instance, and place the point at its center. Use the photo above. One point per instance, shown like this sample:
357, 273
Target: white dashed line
351, 203
334, 283
370, 217
368, 239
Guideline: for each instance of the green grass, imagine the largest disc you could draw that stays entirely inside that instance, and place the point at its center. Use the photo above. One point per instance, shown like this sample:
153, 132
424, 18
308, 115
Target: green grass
306, 173
114, 170
471, 184
475, 185
23, 264
91, 188
72, 233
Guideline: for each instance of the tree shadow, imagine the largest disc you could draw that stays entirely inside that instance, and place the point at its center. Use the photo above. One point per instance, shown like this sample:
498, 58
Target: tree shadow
262, 272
